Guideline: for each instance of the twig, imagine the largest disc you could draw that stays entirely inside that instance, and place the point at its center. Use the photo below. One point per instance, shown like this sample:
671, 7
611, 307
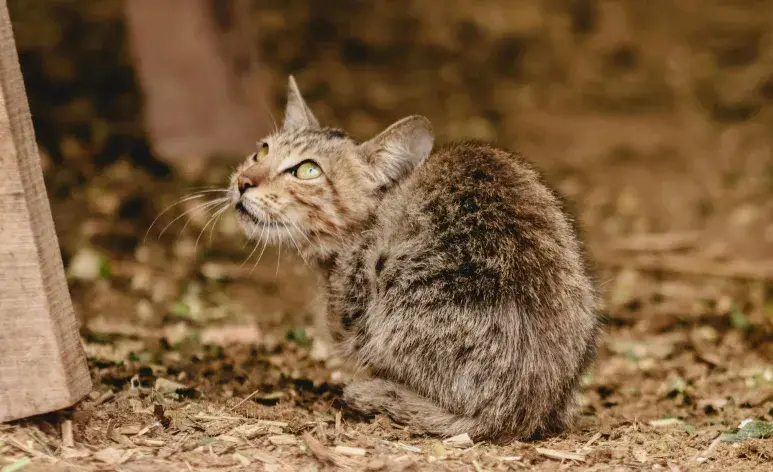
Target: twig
561, 455
13, 442
107, 396
67, 439
592, 440
324, 455
244, 400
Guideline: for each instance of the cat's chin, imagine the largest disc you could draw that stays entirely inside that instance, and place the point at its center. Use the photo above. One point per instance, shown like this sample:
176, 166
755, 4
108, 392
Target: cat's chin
257, 228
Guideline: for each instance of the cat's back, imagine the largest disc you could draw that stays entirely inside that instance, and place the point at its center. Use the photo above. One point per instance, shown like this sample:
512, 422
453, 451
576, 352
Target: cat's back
475, 223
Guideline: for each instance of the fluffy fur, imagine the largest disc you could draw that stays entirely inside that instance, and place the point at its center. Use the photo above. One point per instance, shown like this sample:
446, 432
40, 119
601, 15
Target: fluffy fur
453, 277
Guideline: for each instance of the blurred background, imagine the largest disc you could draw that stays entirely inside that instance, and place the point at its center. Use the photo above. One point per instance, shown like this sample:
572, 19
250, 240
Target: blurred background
654, 118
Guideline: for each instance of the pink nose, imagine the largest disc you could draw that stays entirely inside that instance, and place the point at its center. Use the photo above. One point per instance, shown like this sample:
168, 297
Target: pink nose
244, 183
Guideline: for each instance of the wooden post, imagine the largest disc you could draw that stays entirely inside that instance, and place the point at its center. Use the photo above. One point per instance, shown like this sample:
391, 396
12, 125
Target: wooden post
42, 363
203, 89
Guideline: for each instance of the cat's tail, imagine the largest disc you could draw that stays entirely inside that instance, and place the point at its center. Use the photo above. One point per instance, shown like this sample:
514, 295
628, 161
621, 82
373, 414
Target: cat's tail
407, 407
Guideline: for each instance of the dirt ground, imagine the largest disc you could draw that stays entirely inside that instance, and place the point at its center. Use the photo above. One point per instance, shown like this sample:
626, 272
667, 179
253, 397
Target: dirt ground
654, 120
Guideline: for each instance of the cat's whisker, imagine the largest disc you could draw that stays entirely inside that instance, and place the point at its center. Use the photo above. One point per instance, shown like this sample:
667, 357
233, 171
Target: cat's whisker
300, 253
268, 109
203, 190
211, 220
278, 259
203, 205
260, 256
187, 198
206, 209
249, 240
295, 243
260, 239
183, 199
212, 230
298, 228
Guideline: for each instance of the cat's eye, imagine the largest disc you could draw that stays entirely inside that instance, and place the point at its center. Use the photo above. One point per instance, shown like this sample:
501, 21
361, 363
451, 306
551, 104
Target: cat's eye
307, 170
263, 151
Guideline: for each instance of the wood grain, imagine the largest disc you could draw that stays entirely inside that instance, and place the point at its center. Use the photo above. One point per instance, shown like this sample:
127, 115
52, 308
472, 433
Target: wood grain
42, 363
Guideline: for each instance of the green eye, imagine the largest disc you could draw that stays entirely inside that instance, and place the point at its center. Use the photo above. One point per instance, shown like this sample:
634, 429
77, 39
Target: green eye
263, 151
307, 170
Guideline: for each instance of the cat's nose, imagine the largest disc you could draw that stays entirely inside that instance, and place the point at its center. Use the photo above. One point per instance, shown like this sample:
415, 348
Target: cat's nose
243, 183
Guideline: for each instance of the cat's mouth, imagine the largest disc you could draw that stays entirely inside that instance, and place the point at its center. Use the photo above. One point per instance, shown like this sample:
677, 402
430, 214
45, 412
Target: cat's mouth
245, 213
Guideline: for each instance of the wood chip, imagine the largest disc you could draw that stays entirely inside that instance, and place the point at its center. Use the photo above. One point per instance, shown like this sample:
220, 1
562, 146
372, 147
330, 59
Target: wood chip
325, 455
109, 455
110, 429
71, 453
151, 442
125, 457
592, 440
67, 439
666, 422
560, 455
408, 447
105, 397
263, 457
350, 451
147, 428
279, 424
460, 440
283, 440
130, 429
243, 460
338, 425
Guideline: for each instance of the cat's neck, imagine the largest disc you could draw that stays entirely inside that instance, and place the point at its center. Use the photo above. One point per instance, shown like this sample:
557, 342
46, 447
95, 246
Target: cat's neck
326, 251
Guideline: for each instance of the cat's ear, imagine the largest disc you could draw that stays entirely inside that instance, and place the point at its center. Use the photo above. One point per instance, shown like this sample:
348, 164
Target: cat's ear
398, 149
297, 114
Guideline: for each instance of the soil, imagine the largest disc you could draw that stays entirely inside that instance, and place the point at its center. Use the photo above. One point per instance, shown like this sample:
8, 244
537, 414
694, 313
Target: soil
653, 120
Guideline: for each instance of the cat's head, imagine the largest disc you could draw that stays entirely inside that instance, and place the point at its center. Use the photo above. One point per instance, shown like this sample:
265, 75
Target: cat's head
309, 185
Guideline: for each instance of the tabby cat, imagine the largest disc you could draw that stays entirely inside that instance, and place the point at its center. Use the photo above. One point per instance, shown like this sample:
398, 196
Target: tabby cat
452, 274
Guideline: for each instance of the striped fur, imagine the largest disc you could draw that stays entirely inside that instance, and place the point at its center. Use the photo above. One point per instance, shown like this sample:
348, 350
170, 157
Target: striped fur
454, 278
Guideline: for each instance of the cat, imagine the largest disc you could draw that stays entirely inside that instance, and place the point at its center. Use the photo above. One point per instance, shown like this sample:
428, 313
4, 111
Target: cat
452, 275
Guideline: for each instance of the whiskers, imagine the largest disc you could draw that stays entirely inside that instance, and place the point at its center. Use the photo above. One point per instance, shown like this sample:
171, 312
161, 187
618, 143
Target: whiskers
213, 208
276, 236
213, 203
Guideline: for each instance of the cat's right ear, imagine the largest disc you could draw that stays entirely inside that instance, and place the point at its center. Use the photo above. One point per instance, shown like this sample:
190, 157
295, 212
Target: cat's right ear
399, 149
297, 114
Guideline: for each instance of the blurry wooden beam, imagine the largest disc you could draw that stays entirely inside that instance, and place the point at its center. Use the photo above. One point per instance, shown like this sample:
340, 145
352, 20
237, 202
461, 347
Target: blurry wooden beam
196, 61
42, 364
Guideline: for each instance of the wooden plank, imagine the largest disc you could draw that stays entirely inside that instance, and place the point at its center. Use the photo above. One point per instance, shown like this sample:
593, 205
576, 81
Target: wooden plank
42, 363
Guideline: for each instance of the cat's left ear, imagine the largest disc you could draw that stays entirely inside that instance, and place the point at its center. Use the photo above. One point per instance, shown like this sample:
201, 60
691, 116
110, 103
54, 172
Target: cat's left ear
297, 114
399, 149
